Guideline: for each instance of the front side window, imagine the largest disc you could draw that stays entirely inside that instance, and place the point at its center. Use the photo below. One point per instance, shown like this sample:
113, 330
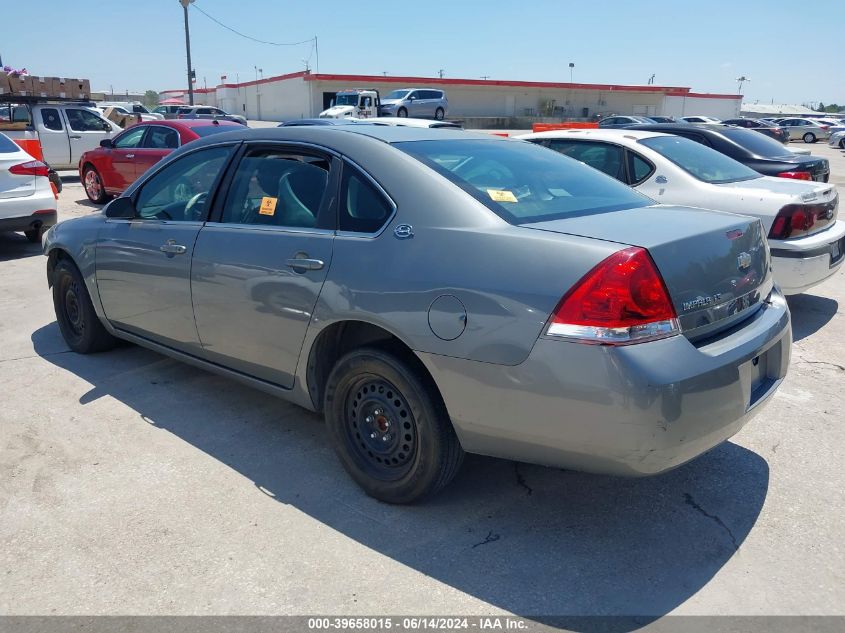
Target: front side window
160, 137
363, 208
701, 162
602, 156
179, 191
277, 188
84, 121
522, 182
346, 99
130, 138
397, 94
51, 119
205, 111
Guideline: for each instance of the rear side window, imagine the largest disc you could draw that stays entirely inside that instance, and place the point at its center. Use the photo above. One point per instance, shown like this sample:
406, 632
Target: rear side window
601, 156
160, 137
523, 182
363, 208
208, 130
638, 168
51, 119
277, 188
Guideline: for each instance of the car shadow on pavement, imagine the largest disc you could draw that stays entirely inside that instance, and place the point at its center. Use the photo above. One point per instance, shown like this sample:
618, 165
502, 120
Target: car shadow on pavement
16, 246
810, 313
555, 546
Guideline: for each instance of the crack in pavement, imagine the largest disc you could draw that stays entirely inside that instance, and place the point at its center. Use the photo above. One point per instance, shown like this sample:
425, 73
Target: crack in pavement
822, 362
520, 480
9, 360
490, 538
691, 502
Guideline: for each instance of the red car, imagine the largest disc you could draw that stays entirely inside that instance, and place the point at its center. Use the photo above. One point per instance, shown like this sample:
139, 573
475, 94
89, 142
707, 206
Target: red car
110, 169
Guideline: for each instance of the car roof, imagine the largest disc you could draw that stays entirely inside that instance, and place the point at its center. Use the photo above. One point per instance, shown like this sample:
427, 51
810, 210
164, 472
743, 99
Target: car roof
671, 128
332, 135
598, 134
190, 123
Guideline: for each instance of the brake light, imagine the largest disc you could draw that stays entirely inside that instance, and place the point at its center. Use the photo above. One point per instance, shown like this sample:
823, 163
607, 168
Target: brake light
794, 220
797, 175
824, 127
32, 168
622, 300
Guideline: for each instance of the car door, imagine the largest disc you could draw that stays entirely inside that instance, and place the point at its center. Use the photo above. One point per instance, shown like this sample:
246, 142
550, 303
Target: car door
86, 131
158, 142
144, 263
415, 103
257, 272
53, 134
117, 168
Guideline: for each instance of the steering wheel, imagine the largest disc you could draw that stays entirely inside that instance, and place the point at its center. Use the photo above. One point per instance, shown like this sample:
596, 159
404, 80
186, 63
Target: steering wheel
192, 213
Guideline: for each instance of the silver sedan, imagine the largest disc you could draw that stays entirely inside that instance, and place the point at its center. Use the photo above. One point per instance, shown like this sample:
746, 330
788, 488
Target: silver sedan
436, 292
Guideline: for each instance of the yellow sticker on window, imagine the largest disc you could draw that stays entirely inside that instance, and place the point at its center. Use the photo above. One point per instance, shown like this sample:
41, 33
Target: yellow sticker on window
499, 195
268, 206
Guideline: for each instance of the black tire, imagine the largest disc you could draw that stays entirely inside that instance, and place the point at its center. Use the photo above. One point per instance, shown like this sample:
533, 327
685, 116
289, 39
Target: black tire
439, 114
402, 112
54, 178
79, 324
842, 144
809, 137
371, 395
34, 235
93, 185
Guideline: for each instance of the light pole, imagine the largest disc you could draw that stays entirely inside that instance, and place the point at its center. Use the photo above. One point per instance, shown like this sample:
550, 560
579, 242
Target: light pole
185, 4
258, 90
571, 69
741, 81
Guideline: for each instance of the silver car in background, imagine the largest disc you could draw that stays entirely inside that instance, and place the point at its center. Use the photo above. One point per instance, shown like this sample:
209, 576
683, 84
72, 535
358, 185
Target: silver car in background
805, 130
436, 292
415, 102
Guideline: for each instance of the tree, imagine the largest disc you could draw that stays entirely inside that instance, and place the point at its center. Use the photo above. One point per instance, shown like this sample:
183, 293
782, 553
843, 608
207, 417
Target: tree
151, 98
820, 108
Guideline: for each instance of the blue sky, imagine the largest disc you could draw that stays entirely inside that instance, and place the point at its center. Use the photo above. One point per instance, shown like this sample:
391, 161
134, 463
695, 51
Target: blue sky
703, 45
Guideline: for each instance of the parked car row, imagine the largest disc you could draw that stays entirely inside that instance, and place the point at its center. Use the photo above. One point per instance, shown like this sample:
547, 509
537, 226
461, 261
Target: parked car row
598, 302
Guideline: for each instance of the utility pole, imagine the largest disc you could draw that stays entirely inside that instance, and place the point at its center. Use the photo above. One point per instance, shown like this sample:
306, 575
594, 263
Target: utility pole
441, 72
741, 81
485, 77
651, 80
185, 4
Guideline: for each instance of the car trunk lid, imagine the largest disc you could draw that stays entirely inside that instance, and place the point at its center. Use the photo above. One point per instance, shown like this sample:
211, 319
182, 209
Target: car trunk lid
716, 265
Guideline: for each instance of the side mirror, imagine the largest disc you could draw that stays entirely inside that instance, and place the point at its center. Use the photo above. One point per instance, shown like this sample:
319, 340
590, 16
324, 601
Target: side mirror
106, 126
121, 208
106, 142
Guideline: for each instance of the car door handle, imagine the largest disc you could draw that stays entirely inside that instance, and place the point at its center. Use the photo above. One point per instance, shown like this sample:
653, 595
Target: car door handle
130, 156
172, 248
75, 136
305, 263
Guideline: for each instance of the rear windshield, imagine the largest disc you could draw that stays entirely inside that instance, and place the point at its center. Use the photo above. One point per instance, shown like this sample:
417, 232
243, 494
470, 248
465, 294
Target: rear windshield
7, 145
756, 143
522, 182
701, 162
208, 130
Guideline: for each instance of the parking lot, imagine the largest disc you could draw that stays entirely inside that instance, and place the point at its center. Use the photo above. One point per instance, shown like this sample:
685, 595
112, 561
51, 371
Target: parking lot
134, 484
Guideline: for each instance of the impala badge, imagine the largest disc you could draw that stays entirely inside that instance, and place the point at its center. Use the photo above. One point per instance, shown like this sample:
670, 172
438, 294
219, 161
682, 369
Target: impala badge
404, 231
743, 261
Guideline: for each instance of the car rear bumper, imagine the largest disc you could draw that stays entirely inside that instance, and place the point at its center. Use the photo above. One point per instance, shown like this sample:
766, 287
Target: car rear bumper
800, 264
45, 218
630, 410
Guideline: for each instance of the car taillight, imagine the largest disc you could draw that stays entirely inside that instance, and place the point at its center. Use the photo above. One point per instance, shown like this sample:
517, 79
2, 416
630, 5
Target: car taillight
794, 220
622, 300
824, 127
797, 175
32, 168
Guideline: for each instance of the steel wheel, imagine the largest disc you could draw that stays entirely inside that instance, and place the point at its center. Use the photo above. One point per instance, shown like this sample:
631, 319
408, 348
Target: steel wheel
381, 428
78, 321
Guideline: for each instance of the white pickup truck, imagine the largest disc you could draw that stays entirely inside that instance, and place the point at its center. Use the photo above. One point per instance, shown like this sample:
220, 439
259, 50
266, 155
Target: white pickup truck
63, 130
